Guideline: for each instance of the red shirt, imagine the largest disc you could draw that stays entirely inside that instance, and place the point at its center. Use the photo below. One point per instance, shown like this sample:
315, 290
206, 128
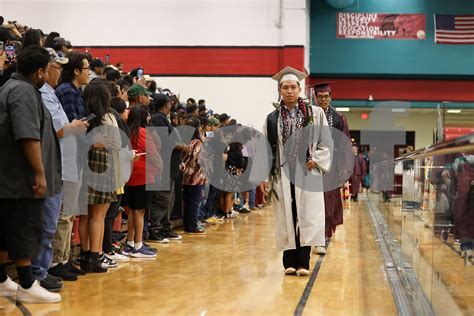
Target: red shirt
139, 175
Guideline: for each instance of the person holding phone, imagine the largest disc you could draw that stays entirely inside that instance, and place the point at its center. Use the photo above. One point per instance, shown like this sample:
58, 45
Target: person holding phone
3, 58
102, 187
137, 76
65, 131
137, 198
73, 75
7, 67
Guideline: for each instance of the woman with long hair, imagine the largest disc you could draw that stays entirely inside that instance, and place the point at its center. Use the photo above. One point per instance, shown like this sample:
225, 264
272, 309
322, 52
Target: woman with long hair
137, 197
32, 37
103, 176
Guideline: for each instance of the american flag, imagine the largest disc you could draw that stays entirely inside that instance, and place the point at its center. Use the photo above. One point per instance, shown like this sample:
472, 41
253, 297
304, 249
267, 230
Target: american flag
454, 29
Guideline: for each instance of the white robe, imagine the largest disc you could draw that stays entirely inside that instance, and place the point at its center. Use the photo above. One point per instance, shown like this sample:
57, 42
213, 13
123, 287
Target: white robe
309, 205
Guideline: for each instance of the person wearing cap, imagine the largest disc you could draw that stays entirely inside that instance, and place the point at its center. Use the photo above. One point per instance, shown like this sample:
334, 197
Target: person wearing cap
299, 213
52, 205
96, 69
73, 76
162, 202
214, 123
59, 45
138, 94
333, 199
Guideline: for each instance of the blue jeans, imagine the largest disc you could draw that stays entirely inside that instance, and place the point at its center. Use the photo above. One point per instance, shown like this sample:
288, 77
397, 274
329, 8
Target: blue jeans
192, 196
252, 197
42, 262
208, 207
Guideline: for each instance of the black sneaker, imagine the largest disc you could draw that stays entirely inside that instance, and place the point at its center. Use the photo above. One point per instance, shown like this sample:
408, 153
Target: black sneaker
55, 278
51, 285
60, 271
72, 268
244, 210
170, 235
157, 237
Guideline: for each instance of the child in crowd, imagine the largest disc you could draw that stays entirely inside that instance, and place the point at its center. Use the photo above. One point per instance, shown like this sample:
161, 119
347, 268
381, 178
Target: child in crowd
137, 197
193, 181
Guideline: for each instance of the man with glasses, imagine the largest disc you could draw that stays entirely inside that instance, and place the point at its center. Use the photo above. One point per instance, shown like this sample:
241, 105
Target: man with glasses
332, 199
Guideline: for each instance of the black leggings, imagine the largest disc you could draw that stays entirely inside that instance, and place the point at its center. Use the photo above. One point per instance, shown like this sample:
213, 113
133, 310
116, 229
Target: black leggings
112, 213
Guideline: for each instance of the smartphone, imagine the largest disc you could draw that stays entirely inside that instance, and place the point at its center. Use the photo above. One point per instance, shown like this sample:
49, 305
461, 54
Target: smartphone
210, 134
140, 73
89, 118
107, 59
10, 52
1, 47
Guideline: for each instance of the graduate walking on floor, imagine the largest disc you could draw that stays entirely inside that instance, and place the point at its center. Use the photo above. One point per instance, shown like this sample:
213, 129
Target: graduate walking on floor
299, 212
332, 199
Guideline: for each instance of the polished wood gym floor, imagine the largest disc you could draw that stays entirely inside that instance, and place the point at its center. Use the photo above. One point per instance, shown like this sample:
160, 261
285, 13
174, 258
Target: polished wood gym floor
235, 270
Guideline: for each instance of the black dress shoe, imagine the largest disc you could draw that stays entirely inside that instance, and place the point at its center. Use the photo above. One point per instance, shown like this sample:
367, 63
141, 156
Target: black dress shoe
60, 271
72, 268
51, 285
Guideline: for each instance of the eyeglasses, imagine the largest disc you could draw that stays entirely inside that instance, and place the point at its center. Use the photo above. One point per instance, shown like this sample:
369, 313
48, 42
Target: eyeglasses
323, 97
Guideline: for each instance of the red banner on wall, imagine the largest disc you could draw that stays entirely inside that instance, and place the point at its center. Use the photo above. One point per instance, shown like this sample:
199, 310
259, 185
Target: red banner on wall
381, 26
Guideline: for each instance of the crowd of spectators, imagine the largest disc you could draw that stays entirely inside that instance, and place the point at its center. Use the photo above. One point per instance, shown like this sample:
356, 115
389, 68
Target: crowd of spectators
53, 101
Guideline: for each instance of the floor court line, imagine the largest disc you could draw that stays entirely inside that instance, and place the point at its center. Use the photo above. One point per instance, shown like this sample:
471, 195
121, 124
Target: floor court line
20, 306
309, 286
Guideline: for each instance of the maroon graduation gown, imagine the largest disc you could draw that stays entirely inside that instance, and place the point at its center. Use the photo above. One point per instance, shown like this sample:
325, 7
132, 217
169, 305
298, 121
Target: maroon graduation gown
332, 199
360, 171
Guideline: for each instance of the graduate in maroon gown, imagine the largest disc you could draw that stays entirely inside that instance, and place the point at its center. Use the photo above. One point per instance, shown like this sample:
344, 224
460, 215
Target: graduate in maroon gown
360, 171
333, 200
463, 210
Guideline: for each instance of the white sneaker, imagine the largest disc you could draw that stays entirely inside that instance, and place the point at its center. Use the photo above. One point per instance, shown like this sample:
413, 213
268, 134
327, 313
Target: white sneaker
36, 294
290, 271
117, 257
320, 250
302, 272
232, 214
8, 288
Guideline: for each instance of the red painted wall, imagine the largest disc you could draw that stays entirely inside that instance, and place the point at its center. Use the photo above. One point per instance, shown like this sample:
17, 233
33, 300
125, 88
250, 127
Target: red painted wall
266, 61
205, 61
400, 89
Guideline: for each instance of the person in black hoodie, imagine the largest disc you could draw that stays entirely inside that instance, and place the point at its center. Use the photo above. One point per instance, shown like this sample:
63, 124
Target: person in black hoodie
163, 201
